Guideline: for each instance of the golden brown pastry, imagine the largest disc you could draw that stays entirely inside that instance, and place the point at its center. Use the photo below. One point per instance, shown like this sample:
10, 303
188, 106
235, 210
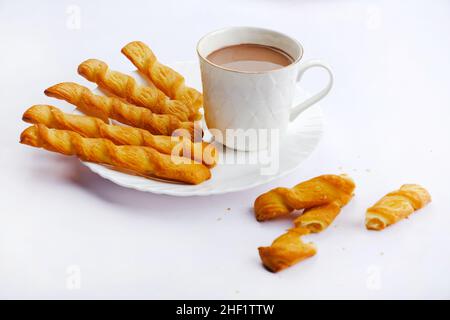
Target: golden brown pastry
91, 127
317, 219
166, 79
144, 161
109, 107
126, 87
287, 250
396, 206
312, 193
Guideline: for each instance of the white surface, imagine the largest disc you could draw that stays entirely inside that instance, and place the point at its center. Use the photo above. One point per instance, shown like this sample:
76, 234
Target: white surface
387, 124
233, 172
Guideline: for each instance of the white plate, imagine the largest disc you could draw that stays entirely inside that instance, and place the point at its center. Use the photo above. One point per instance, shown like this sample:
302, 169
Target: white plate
303, 136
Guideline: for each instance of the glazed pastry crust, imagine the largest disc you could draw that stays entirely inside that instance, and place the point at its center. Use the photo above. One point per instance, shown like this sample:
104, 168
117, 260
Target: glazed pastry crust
287, 250
396, 206
316, 192
144, 161
110, 107
166, 79
91, 127
126, 87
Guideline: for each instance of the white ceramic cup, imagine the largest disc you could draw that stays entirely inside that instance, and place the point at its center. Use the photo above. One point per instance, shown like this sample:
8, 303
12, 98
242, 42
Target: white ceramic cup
238, 102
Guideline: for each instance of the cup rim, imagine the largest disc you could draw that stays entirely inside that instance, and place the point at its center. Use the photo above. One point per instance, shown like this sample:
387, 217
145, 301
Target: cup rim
294, 63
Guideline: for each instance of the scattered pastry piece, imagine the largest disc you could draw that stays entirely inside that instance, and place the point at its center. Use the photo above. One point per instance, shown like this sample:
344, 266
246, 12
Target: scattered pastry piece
396, 206
318, 218
166, 79
316, 192
321, 198
109, 107
91, 127
145, 161
287, 250
126, 87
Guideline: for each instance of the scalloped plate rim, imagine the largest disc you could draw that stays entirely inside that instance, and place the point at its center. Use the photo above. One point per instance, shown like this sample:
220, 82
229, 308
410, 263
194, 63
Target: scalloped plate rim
114, 176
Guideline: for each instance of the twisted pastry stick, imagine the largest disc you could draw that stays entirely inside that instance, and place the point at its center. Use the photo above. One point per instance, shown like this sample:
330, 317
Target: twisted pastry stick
321, 198
318, 191
91, 127
145, 161
126, 87
287, 250
396, 206
104, 107
317, 219
166, 79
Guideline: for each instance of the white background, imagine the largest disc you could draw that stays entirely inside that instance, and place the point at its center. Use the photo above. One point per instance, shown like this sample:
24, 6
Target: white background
387, 123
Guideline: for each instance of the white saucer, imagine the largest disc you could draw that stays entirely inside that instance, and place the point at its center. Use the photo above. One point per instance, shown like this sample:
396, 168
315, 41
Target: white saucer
303, 136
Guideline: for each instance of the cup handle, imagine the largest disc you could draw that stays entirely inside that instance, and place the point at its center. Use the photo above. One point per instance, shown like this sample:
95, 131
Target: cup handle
318, 96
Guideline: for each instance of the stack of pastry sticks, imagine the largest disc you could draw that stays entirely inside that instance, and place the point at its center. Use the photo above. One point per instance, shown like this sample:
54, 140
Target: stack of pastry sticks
159, 135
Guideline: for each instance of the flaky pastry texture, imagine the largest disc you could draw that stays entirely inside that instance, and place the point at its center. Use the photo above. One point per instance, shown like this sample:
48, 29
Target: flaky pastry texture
316, 192
91, 127
166, 79
144, 161
126, 87
110, 107
396, 206
287, 250
317, 219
